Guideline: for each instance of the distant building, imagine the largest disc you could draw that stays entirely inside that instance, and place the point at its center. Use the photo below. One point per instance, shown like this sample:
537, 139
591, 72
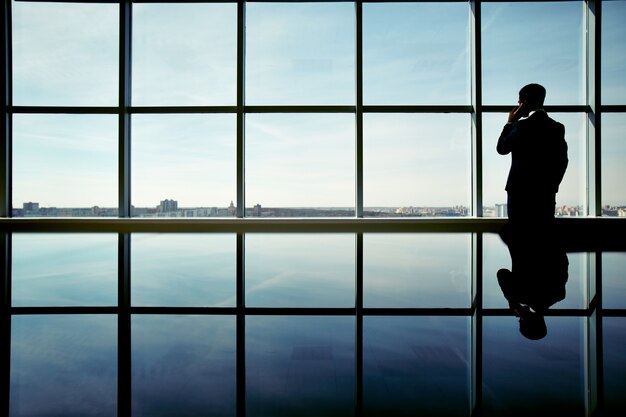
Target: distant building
232, 210
167, 206
30, 206
256, 211
501, 210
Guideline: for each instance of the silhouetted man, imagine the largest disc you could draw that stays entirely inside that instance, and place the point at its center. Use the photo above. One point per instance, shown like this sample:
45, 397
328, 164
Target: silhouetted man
538, 157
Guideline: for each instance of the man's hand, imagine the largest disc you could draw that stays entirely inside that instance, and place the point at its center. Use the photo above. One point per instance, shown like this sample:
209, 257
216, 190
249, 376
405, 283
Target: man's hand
516, 113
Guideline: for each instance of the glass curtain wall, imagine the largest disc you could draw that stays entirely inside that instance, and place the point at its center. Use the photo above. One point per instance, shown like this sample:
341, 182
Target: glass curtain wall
302, 109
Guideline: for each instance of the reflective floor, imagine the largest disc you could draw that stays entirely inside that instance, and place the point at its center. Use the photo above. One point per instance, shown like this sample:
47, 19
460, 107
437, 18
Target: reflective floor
312, 325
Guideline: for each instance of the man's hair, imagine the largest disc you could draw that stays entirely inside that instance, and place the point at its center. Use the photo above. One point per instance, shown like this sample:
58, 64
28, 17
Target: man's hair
534, 94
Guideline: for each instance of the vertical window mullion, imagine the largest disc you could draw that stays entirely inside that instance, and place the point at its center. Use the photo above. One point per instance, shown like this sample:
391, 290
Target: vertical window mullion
477, 115
241, 51
7, 101
593, 58
5, 324
124, 108
124, 318
359, 326
359, 108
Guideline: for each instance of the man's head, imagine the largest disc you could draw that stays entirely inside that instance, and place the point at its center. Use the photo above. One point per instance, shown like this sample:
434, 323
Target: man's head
532, 95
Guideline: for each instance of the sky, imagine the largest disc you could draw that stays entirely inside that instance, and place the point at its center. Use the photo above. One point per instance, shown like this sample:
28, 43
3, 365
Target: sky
298, 54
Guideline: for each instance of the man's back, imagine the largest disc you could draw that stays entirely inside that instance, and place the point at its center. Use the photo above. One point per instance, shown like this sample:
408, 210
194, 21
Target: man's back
539, 154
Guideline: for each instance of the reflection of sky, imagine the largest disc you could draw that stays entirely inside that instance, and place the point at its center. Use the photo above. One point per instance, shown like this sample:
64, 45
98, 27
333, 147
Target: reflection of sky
294, 365
301, 270
183, 365
416, 366
296, 53
413, 270
191, 270
524, 377
63, 365
64, 269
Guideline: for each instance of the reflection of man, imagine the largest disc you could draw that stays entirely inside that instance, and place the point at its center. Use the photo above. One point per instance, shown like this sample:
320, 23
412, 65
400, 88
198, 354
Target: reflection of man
538, 157
536, 281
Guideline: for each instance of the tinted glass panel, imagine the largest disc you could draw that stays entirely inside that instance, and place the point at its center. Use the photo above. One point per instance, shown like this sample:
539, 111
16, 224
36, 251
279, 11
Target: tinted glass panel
532, 42
300, 53
183, 165
416, 164
65, 54
613, 166
56, 153
184, 54
290, 165
613, 59
415, 53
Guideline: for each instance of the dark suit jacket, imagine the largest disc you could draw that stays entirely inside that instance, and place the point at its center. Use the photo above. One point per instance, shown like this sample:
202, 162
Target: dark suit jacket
538, 154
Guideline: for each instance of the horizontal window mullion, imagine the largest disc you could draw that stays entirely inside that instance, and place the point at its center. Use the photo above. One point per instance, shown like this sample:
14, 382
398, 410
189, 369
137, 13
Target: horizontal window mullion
64, 110
417, 109
564, 108
613, 108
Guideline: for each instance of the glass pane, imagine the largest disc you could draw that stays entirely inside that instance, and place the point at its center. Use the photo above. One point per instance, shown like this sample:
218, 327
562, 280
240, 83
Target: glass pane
300, 53
613, 58
184, 165
416, 270
60, 152
539, 273
301, 270
613, 167
613, 282
532, 42
65, 54
614, 347
63, 365
64, 269
416, 53
183, 366
569, 199
183, 270
415, 366
300, 366
300, 165
523, 377
184, 54
416, 164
